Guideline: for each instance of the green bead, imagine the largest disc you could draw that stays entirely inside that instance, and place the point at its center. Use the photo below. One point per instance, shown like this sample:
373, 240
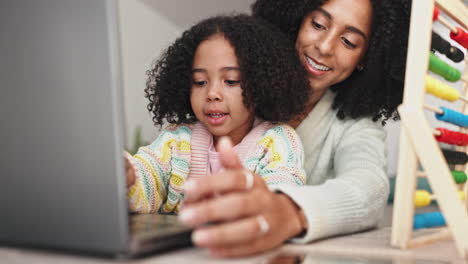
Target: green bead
459, 176
441, 68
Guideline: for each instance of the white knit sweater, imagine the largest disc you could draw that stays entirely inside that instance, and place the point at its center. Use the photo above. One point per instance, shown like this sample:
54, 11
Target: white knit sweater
345, 161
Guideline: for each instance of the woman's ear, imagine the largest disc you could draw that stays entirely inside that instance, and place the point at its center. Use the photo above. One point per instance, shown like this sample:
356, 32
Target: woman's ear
360, 67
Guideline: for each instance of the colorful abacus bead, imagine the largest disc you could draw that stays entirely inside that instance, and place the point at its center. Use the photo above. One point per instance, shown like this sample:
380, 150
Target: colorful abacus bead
428, 220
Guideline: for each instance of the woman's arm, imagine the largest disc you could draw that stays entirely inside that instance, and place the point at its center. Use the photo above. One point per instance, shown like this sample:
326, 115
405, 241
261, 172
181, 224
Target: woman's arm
355, 199
225, 198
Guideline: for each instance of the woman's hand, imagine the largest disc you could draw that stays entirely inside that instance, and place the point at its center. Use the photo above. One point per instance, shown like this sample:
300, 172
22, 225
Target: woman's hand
241, 219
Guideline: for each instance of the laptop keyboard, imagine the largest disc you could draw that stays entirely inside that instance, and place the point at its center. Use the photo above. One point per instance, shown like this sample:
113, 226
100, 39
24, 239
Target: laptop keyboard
150, 225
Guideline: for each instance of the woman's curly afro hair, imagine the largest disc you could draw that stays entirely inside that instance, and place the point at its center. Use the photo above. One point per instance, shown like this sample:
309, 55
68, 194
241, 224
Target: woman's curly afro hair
270, 71
378, 89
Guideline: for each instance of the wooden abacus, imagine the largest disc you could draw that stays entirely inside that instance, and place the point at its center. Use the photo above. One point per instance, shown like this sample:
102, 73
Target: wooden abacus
418, 139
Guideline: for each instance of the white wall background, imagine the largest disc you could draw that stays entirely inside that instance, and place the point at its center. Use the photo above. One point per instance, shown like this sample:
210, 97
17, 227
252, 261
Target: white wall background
147, 27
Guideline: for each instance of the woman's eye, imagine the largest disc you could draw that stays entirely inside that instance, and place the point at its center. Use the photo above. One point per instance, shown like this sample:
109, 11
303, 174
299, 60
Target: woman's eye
231, 82
348, 43
317, 25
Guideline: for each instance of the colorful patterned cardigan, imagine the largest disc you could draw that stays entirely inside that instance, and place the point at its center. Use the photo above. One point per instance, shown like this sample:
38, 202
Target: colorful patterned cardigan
272, 151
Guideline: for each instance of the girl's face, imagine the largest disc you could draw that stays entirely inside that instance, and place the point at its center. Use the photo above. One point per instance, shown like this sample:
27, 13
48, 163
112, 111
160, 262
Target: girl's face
216, 94
332, 41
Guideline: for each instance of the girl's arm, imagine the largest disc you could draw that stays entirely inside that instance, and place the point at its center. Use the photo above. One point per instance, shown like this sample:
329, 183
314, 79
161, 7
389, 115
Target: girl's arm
160, 170
283, 159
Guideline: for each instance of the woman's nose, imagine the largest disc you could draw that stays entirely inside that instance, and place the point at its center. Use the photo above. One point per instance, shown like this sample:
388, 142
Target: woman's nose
326, 44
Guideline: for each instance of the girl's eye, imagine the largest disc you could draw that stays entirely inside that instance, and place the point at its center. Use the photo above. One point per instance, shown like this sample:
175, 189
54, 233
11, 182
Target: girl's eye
317, 25
348, 43
199, 83
231, 82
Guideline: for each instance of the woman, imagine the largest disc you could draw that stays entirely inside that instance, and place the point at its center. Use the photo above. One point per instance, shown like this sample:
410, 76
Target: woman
354, 52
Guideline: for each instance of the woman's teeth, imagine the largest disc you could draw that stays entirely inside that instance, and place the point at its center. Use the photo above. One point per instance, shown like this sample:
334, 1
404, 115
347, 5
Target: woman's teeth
317, 66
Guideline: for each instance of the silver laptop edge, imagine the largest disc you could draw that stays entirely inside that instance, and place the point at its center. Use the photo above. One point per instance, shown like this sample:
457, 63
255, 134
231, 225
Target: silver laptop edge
62, 130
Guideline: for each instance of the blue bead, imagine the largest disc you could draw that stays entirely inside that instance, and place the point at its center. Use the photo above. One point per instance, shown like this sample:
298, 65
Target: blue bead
427, 220
453, 117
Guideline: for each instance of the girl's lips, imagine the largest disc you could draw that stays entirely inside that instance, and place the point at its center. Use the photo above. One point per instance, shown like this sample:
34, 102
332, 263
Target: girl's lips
216, 119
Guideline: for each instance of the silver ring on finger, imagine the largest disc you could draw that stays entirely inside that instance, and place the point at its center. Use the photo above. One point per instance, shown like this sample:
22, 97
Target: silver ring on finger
249, 179
263, 224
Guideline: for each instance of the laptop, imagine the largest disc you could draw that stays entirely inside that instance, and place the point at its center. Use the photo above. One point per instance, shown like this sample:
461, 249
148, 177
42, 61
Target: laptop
62, 183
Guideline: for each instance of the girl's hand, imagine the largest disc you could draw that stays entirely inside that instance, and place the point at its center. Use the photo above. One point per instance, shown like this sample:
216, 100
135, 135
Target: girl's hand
243, 219
129, 169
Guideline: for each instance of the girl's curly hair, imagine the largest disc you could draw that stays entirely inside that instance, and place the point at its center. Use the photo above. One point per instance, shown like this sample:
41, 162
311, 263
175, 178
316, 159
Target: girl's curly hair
269, 67
378, 89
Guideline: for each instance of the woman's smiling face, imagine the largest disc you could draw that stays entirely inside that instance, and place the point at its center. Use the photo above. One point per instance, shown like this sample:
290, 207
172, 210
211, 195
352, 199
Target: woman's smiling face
332, 41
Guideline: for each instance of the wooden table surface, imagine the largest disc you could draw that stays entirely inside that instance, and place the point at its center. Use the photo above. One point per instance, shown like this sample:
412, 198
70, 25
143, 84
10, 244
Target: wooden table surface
367, 247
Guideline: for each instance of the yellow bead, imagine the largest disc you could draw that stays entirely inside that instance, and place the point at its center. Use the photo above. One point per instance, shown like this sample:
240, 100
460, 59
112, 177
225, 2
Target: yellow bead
441, 90
422, 198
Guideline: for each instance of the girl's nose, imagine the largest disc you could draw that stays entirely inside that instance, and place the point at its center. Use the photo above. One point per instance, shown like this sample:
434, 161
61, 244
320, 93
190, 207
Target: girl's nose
214, 92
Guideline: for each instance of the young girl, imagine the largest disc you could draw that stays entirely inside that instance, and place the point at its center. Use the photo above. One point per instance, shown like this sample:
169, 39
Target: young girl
231, 76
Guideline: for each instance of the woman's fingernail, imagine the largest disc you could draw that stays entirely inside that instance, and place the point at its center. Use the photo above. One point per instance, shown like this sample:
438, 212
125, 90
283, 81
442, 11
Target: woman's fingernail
187, 215
226, 141
189, 186
200, 237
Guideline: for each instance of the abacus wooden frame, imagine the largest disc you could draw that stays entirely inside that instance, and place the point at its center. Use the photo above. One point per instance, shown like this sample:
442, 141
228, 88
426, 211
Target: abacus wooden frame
418, 143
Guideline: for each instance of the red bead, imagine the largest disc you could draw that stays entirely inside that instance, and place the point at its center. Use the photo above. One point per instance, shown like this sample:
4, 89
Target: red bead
460, 36
435, 14
452, 137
